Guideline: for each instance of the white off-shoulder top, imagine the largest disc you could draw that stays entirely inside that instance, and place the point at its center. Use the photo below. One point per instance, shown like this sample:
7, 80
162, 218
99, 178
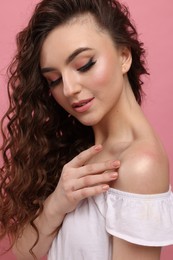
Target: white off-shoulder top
86, 233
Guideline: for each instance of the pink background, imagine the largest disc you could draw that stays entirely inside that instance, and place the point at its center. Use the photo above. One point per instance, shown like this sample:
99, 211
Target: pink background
155, 25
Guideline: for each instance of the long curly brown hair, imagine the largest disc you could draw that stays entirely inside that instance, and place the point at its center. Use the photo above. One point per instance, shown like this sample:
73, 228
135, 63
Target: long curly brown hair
39, 137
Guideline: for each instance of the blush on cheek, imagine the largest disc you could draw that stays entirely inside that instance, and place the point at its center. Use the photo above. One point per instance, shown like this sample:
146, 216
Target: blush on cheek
101, 76
108, 72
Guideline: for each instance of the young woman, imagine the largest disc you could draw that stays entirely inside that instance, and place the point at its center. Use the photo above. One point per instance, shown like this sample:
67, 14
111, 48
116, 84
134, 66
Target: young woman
84, 176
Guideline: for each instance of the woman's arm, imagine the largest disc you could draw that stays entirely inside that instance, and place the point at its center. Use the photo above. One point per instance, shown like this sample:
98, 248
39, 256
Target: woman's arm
78, 181
47, 225
123, 250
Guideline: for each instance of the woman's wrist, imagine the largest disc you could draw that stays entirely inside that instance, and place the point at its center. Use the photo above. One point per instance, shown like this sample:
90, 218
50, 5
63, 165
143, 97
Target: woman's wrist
51, 218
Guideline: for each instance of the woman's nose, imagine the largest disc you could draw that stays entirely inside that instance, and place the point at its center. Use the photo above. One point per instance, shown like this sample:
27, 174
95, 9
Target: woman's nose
71, 86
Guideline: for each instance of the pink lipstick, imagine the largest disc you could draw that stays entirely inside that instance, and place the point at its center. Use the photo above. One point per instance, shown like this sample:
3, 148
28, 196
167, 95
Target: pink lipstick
82, 105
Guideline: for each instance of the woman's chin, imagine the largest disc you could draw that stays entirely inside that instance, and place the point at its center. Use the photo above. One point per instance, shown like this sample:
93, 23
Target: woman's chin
89, 122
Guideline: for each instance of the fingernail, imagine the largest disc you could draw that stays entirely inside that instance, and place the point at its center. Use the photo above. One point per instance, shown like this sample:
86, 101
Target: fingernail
115, 174
116, 164
98, 147
105, 187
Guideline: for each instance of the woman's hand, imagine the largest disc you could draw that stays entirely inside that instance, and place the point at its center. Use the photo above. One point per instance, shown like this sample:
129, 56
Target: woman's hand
79, 181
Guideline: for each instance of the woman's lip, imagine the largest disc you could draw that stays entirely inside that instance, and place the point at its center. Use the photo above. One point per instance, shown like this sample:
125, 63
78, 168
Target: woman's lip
82, 105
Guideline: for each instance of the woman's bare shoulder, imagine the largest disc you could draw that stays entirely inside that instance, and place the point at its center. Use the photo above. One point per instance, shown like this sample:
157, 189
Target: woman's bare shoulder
144, 169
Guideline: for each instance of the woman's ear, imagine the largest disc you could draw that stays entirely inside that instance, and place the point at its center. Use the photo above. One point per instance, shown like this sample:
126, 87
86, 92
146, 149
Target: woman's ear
126, 59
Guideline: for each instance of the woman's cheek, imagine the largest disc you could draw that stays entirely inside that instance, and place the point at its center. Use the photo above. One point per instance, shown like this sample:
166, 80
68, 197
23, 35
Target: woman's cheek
101, 75
58, 96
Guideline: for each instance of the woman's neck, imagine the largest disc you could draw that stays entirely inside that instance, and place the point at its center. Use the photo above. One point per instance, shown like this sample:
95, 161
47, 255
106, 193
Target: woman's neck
120, 123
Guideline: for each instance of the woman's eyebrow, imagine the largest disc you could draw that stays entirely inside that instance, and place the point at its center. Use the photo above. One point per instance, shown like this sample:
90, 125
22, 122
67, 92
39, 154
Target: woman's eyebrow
75, 53
68, 60
46, 70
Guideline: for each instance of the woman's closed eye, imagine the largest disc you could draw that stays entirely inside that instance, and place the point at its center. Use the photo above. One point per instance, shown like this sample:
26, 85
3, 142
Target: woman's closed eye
87, 66
54, 83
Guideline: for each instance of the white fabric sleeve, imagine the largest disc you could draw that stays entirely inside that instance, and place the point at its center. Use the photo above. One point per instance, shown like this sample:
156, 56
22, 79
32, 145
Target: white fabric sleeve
140, 219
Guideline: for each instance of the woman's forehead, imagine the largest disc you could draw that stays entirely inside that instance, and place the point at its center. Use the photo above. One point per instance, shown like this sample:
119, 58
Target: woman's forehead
81, 32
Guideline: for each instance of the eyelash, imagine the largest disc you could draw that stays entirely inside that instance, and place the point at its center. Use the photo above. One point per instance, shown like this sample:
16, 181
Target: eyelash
87, 66
54, 83
84, 68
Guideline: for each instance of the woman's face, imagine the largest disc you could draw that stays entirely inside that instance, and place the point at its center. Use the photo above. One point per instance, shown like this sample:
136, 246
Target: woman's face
84, 69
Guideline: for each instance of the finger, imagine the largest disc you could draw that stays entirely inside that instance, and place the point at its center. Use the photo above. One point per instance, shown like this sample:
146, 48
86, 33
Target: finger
94, 180
89, 192
96, 168
84, 156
